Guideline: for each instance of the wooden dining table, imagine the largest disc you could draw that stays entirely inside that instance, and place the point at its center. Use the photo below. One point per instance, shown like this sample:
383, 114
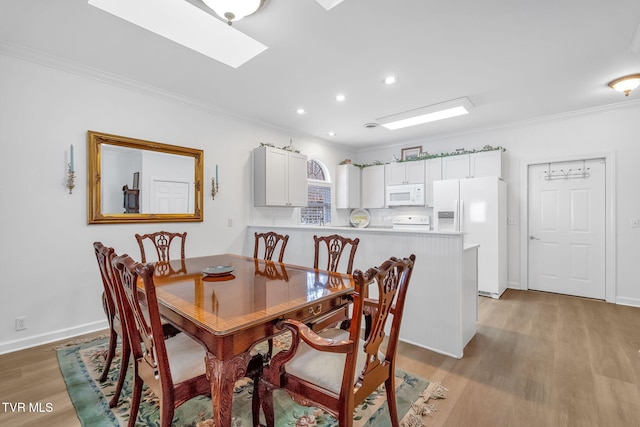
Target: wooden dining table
231, 312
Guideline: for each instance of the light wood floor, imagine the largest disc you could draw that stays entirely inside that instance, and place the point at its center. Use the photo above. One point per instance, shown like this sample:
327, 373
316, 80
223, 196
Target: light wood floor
538, 359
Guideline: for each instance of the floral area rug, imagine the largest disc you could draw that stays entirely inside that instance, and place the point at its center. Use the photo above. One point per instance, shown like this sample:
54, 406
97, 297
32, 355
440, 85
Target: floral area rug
82, 364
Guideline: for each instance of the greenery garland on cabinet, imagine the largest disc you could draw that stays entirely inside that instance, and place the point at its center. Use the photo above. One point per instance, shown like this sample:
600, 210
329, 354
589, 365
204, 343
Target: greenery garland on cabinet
425, 155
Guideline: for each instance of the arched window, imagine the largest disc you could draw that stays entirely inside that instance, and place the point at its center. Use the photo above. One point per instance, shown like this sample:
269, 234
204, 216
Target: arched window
318, 210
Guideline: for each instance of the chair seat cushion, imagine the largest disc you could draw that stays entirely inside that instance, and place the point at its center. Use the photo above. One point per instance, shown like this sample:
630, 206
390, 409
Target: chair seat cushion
186, 357
322, 368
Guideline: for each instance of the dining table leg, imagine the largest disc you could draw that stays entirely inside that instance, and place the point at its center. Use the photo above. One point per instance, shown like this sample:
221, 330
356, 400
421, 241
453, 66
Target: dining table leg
223, 375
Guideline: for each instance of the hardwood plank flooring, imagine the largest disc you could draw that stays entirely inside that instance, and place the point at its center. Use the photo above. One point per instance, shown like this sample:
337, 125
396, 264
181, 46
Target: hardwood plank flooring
538, 359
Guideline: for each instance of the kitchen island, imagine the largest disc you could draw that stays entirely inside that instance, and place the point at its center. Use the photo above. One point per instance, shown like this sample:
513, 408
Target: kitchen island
442, 302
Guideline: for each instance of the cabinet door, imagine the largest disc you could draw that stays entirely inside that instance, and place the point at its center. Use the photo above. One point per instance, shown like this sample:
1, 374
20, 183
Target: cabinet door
455, 167
297, 183
394, 173
373, 187
414, 172
486, 163
347, 187
276, 177
433, 173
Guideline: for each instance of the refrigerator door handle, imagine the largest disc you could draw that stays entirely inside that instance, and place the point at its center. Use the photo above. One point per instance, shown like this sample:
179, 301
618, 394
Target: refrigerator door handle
460, 215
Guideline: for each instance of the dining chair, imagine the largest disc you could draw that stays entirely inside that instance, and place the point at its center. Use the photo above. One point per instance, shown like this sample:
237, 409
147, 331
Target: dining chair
331, 248
162, 241
335, 246
113, 308
173, 368
337, 369
270, 242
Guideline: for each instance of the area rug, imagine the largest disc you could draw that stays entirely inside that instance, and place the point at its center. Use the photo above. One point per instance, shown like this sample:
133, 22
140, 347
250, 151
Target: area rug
82, 364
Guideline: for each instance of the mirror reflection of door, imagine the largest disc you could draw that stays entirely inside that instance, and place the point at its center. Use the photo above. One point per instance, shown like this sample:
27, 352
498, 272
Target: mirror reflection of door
170, 196
165, 180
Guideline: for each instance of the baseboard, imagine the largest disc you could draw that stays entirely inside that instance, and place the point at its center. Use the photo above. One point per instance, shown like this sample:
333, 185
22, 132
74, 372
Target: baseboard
456, 356
515, 285
36, 340
633, 302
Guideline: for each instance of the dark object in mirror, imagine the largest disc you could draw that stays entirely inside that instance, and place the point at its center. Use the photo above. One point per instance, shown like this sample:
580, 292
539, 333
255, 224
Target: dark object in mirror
167, 178
131, 200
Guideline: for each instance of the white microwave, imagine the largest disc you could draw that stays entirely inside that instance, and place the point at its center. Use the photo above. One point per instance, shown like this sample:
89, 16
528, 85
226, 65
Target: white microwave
405, 195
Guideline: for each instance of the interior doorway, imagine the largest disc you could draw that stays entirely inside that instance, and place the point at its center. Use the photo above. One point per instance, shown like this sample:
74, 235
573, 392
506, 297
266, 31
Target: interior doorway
567, 227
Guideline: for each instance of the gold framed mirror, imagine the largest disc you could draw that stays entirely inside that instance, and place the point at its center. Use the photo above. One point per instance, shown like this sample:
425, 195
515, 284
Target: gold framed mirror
132, 180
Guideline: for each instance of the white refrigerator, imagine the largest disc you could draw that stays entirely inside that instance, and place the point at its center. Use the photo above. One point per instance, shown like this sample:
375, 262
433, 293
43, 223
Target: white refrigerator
477, 207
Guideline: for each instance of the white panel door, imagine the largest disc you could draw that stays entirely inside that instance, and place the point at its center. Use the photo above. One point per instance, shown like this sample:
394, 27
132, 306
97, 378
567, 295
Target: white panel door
169, 196
567, 229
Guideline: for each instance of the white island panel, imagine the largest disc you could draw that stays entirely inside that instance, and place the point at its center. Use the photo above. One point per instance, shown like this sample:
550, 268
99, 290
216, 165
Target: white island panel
441, 306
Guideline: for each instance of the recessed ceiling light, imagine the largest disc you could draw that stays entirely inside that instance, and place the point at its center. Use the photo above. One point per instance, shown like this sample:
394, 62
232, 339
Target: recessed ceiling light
430, 113
331, 134
340, 97
301, 111
390, 80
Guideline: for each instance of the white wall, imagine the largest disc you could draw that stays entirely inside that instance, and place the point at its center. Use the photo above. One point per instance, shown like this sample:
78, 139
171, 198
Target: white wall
48, 271
601, 130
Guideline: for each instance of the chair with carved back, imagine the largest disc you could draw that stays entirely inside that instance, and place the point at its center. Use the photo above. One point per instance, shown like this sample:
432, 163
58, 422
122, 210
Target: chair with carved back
162, 241
335, 369
113, 308
270, 241
173, 368
330, 249
335, 246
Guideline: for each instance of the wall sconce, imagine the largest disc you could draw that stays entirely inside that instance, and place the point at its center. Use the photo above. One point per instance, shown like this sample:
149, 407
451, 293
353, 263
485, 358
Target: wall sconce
214, 185
71, 174
626, 84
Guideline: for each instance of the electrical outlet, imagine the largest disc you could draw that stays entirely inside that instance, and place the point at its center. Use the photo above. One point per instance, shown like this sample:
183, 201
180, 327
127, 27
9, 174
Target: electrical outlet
229, 222
21, 323
512, 221
635, 223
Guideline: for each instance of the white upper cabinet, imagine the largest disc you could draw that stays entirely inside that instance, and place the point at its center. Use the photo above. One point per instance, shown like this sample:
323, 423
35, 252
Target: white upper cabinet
372, 195
279, 177
347, 187
486, 163
433, 173
455, 167
412, 172
473, 165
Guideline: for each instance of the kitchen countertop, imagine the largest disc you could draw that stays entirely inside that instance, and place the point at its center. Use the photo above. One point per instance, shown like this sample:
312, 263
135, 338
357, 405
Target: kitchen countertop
370, 229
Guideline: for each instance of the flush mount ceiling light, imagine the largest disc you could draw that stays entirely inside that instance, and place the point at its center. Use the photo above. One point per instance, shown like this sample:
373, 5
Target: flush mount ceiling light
234, 10
340, 97
301, 111
430, 113
188, 25
626, 84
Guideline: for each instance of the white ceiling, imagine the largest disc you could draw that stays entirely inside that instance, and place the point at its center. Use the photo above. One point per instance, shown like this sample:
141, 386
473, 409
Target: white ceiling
514, 59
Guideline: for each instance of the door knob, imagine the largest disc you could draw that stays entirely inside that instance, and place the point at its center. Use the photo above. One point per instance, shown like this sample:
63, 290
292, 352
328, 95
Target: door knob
533, 238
